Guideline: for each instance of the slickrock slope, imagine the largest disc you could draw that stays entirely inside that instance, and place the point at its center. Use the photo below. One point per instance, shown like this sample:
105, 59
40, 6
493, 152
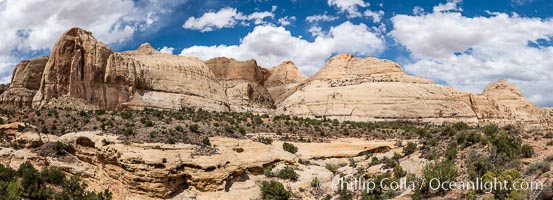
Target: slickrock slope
83, 68
502, 103
153, 170
243, 84
25, 82
371, 89
282, 78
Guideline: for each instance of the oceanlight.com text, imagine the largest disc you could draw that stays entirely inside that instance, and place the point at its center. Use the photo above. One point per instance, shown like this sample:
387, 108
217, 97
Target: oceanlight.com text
488, 186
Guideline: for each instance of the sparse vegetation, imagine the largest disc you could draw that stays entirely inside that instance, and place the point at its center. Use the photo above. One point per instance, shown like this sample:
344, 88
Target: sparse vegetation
274, 190
289, 147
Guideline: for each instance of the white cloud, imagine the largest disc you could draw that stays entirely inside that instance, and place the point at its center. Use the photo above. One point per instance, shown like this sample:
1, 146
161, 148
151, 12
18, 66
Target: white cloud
375, 15
350, 7
167, 50
451, 5
34, 25
417, 10
271, 45
469, 53
225, 18
320, 18
286, 21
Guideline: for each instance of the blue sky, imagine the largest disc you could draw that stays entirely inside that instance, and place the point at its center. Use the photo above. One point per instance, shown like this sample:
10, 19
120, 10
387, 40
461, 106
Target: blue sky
465, 44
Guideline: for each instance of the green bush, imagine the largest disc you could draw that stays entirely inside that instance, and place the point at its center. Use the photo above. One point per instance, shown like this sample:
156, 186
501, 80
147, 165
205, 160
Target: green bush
193, 128
315, 182
409, 148
541, 166
274, 190
268, 172
206, 141
451, 152
444, 171
478, 165
265, 140
491, 129
289, 147
527, 151
59, 148
288, 173
53, 175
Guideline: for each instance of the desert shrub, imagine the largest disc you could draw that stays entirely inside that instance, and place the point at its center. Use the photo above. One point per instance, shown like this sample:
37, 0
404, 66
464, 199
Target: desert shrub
409, 148
206, 141
193, 128
491, 129
171, 140
399, 172
289, 147
451, 151
59, 148
268, 172
315, 182
478, 165
508, 177
53, 175
265, 140
288, 173
444, 171
274, 190
541, 166
527, 151
459, 126
179, 128
549, 143
468, 138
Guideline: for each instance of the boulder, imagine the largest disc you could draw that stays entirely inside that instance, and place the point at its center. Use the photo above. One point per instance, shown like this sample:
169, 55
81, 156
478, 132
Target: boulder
24, 83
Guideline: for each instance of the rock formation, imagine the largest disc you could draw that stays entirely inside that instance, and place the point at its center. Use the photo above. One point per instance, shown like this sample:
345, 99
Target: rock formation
24, 83
154, 170
282, 78
243, 84
370, 89
502, 103
83, 68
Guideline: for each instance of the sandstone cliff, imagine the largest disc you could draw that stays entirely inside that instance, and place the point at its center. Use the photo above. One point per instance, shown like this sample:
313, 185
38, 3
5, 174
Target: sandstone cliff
243, 84
282, 78
24, 83
370, 89
81, 67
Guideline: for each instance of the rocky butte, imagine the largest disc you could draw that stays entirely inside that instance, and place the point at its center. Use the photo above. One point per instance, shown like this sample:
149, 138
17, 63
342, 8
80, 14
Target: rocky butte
346, 88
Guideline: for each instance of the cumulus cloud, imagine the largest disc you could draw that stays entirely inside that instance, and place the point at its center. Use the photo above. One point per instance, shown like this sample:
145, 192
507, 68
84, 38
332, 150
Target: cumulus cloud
471, 52
167, 50
271, 45
226, 18
34, 25
350, 7
286, 21
375, 15
450, 5
320, 18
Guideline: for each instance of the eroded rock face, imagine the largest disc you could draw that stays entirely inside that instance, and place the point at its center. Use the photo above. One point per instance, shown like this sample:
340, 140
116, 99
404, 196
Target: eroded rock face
370, 89
153, 170
83, 68
25, 82
502, 103
243, 84
282, 78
